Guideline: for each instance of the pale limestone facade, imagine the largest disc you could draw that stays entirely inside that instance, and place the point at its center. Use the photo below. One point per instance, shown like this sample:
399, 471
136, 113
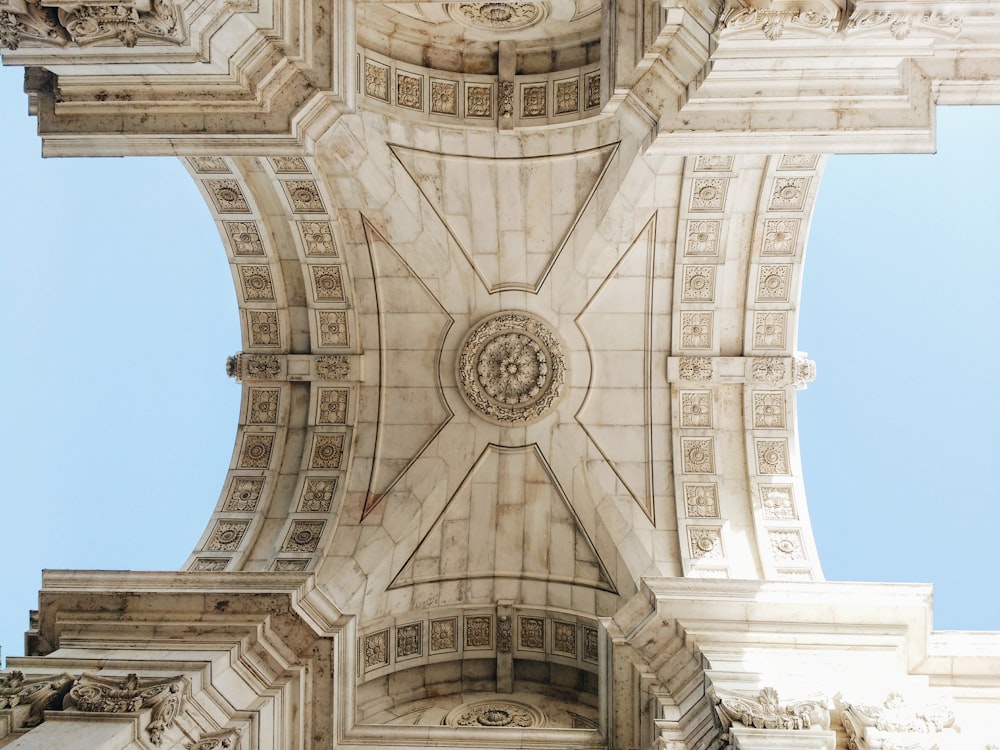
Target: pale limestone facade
517, 463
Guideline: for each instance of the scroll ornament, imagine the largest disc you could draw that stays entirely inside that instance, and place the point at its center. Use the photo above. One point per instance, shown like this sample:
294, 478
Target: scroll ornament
895, 724
39, 694
111, 696
764, 711
62, 23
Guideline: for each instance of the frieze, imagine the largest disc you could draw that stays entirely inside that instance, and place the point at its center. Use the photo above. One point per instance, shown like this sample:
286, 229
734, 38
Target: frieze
765, 711
95, 694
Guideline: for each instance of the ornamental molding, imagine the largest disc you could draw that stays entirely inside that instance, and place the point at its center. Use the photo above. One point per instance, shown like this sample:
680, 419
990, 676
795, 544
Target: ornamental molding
110, 695
60, 23
901, 24
765, 711
807, 19
497, 714
497, 16
797, 371
244, 367
896, 724
511, 368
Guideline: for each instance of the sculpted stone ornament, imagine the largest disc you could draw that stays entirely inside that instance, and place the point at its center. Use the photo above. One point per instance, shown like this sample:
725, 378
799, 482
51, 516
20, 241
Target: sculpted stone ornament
218, 741
110, 695
496, 714
23, 20
40, 694
900, 24
511, 368
92, 24
803, 371
499, 16
764, 711
895, 724
741, 20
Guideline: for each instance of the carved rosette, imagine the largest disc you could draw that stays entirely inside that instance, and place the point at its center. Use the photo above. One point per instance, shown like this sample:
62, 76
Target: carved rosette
496, 714
497, 16
764, 711
109, 695
511, 368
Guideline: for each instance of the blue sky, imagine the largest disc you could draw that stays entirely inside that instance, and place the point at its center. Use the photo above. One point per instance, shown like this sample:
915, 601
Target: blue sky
119, 313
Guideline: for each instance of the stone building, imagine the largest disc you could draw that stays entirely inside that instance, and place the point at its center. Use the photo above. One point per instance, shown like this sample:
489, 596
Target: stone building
517, 462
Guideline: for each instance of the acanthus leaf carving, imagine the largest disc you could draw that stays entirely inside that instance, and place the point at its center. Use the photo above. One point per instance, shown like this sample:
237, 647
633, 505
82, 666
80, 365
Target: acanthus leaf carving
216, 741
895, 723
29, 21
110, 695
772, 23
39, 694
900, 23
765, 711
92, 24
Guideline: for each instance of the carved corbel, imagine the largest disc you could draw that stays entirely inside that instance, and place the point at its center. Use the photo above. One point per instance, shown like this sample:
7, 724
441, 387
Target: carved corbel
762, 721
37, 695
110, 695
218, 741
896, 724
24, 20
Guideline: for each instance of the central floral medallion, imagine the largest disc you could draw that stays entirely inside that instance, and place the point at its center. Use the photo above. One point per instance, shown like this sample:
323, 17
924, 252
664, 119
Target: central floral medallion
494, 713
511, 368
499, 16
